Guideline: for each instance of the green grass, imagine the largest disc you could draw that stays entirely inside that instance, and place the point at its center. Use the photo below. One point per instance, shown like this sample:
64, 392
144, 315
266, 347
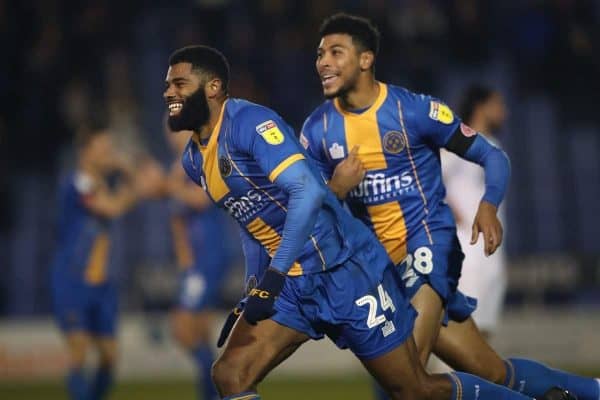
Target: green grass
352, 388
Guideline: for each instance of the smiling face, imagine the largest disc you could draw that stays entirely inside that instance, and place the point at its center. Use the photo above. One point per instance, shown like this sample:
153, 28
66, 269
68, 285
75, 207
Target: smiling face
185, 98
340, 64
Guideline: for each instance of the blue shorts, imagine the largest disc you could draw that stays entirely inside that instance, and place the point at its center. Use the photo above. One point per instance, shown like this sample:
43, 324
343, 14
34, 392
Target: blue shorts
198, 291
91, 309
439, 266
357, 305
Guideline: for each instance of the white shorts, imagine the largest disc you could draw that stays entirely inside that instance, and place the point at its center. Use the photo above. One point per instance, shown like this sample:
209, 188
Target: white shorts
485, 279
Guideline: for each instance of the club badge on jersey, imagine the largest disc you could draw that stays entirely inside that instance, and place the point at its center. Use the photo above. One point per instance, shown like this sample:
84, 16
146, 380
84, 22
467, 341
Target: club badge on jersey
393, 142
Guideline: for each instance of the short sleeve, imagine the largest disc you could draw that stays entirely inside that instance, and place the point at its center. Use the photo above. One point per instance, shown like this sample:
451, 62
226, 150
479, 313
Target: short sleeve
267, 138
434, 120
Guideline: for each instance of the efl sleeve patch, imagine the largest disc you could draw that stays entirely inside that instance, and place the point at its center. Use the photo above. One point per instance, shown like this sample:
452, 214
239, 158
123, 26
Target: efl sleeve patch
270, 132
440, 112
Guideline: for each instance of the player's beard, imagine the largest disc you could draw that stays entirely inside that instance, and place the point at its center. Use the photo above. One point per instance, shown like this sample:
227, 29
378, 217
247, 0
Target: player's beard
193, 115
343, 90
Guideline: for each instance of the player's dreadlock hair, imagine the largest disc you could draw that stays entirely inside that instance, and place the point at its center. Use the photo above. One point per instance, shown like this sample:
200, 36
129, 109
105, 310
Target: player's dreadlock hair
474, 96
204, 59
364, 34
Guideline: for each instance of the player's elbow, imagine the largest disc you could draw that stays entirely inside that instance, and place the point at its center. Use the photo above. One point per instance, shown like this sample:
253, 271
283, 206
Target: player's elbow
498, 159
315, 193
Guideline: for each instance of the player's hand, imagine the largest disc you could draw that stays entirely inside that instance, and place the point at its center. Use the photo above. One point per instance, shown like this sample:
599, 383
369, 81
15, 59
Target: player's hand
229, 323
347, 175
261, 298
487, 223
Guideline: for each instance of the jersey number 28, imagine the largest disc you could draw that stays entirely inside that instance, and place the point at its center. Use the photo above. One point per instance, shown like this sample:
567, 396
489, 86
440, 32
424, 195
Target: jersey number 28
421, 261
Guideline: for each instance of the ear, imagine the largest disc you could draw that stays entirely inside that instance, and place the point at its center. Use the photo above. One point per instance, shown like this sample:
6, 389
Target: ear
213, 87
367, 58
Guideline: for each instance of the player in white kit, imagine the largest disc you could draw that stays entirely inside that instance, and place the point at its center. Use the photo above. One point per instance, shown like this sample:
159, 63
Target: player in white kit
483, 277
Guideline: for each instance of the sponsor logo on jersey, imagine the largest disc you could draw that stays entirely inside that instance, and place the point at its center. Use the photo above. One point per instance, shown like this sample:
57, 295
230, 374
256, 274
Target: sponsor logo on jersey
245, 207
393, 142
467, 130
336, 151
380, 187
225, 166
440, 112
270, 132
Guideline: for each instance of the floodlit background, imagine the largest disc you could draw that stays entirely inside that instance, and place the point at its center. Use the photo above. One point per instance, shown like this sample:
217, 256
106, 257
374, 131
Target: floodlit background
65, 60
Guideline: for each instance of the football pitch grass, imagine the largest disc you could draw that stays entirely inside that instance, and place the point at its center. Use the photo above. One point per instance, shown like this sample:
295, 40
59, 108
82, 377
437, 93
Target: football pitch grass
355, 387
351, 388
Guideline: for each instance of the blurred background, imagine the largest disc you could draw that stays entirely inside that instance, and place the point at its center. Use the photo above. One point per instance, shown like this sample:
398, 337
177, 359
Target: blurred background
65, 60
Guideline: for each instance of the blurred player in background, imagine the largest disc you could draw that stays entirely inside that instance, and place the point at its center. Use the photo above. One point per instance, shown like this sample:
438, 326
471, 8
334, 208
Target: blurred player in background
482, 277
378, 146
327, 274
84, 291
203, 254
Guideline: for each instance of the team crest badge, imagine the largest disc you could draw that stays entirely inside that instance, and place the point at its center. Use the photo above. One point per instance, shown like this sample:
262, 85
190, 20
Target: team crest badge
224, 166
393, 142
270, 132
440, 112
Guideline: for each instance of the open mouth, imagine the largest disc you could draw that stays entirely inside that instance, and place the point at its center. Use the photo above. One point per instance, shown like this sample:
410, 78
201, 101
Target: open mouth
327, 79
175, 107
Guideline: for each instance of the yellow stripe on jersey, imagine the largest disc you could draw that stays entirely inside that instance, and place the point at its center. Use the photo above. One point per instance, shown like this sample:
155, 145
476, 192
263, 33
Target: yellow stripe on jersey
284, 164
270, 239
390, 228
95, 271
210, 164
363, 130
181, 243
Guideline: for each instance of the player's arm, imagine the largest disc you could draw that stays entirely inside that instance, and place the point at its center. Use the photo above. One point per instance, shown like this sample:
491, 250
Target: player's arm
496, 165
305, 196
103, 201
179, 188
257, 261
476, 148
278, 153
111, 204
437, 122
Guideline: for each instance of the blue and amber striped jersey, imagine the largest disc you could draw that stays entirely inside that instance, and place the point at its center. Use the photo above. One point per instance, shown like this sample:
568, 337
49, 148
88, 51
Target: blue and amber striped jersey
248, 149
402, 195
83, 247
